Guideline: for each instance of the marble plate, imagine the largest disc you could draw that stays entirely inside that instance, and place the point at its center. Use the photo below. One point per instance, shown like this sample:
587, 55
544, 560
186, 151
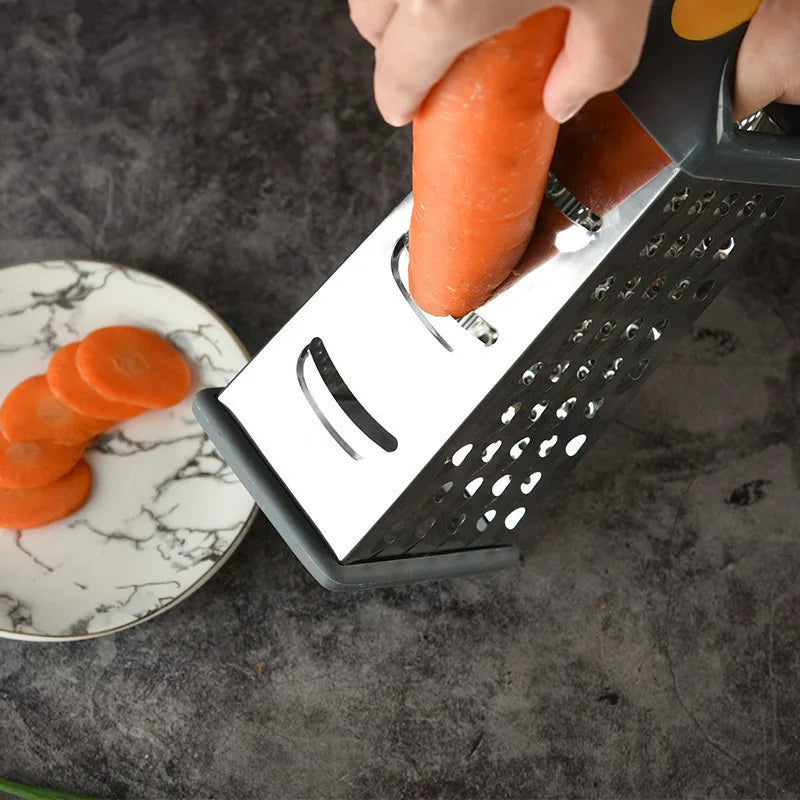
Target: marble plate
165, 511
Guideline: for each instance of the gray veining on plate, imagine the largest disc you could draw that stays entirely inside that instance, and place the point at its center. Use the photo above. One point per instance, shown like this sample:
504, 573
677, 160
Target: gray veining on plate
165, 510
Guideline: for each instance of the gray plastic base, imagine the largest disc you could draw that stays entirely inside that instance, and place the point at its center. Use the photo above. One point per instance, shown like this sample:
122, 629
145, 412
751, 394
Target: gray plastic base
304, 539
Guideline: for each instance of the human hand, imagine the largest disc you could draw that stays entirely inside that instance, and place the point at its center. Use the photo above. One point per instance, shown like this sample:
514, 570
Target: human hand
416, 41
768, 67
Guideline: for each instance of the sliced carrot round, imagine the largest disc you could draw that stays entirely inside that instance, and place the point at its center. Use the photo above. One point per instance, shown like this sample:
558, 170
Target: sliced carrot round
21, 509
133, 365
30, 413
27, 464
71, 389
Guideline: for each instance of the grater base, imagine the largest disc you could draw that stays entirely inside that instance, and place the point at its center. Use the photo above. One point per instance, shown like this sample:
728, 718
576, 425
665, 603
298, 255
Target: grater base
236, 448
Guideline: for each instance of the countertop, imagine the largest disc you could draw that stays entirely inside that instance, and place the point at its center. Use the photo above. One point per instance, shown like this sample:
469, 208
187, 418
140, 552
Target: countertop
650, 644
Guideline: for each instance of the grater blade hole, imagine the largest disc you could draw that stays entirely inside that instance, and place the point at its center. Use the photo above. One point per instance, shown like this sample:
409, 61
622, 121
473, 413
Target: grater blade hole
653, 289
651, 248
676, 248
575, 444
725, 205
612, 369
582, 373
750, 205
456, 523
458, 458
562, 412
517, 449
500, 485
442, 491
703, 202
485, 520
547, 445
510, 413
606, 330
513, 519
701, 249
580, 331
677, 291
630, 287
629, 334
489, 452
422, 530
592, 407
638, 369
704, 290
532, 371
390, 537
472, 487
538, 410
677, 201
526, 487
558, 371
773, 207
726, 248
602, 288
658, 328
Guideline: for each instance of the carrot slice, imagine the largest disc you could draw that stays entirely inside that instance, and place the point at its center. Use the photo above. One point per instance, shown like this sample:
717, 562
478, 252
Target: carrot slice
21, 509
71, 389
30, 413
482, 148
27, 464
133, 365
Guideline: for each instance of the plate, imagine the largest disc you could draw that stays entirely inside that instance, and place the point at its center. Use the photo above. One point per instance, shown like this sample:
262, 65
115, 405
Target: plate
165, 511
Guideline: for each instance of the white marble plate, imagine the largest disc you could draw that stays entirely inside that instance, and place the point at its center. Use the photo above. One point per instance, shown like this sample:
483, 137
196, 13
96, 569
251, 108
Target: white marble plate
165, 511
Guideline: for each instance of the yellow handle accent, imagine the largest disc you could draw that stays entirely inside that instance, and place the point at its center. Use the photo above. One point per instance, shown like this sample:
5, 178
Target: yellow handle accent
706, 19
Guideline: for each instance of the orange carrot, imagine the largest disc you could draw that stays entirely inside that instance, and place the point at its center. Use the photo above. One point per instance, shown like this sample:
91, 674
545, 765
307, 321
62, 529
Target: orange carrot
71, 389
21, 509
133, 365
30, 413
27, 464
482, 148
602, 156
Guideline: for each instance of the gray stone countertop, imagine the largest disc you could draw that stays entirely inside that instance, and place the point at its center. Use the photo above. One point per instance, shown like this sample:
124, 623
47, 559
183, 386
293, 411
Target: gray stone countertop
650, 644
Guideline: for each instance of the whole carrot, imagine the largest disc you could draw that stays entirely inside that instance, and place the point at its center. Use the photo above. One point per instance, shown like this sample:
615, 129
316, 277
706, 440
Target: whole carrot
482, 148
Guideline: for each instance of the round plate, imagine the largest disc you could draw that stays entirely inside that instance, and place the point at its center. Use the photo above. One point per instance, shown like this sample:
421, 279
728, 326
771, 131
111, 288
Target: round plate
165, 511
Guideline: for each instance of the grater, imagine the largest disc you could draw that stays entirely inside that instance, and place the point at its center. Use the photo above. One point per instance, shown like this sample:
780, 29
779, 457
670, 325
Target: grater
388, 446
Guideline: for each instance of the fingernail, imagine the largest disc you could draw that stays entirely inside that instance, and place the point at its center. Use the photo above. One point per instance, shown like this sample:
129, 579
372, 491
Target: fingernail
567, 112
398, 121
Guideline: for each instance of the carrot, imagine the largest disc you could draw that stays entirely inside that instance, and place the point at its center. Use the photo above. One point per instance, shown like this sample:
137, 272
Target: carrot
482, 148
602, 156
27, 464
30, 413
710, 18
21, 509
71, 389
133, 365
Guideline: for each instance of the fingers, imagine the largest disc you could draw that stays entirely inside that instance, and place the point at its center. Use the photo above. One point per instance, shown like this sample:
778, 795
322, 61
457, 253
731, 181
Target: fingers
371, 17
424, 37
602, 48
768, 66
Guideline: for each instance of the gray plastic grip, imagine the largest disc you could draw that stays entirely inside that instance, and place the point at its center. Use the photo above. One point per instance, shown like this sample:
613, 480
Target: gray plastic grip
682, 93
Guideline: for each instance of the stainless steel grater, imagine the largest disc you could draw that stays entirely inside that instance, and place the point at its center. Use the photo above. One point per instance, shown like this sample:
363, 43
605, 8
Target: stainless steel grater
387, 446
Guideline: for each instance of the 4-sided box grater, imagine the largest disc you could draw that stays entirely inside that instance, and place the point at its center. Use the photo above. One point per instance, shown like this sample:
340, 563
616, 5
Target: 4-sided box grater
388, 446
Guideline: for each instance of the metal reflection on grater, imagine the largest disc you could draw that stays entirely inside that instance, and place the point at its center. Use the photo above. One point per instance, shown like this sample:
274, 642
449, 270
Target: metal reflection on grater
596, 351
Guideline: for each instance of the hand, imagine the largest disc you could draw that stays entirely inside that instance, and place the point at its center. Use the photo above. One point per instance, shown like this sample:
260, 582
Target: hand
416, 41
768, 67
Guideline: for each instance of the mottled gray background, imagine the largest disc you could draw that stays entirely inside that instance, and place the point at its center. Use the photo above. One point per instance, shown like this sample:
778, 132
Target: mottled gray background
650, 645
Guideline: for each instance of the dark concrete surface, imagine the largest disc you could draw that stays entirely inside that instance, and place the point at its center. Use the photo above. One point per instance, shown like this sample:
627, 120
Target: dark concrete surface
650, 645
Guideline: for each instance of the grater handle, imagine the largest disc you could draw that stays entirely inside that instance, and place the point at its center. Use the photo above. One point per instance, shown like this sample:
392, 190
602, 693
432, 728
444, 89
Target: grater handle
682, 93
